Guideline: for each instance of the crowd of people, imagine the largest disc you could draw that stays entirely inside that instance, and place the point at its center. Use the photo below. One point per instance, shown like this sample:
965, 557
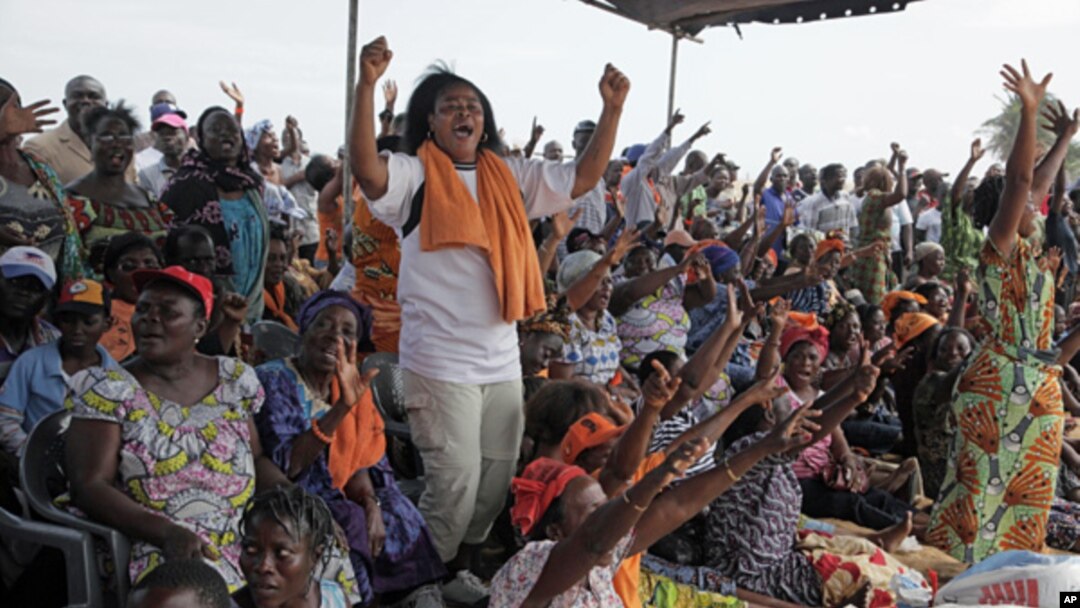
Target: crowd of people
618, 374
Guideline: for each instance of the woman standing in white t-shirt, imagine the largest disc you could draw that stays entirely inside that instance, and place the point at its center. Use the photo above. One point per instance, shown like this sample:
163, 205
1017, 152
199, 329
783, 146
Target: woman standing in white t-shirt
468, 272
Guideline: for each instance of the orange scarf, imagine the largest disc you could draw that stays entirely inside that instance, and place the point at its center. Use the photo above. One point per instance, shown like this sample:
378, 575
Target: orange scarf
359, 441
274, 300
498, 225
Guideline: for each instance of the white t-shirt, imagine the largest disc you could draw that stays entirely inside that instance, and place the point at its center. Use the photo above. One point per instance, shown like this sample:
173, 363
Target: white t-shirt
451, 326
930, 221
901, 216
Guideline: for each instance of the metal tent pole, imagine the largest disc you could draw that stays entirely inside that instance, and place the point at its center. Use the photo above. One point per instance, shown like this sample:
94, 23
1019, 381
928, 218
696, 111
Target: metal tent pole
671, 76
350, 89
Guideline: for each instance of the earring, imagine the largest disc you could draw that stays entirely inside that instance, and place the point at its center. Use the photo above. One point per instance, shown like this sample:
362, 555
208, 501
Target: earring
429, 134
484, 137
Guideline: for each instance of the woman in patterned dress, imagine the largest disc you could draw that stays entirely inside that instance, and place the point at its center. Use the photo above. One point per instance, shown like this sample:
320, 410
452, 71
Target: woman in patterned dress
102, 202
165, 449
871, 275
1003, 462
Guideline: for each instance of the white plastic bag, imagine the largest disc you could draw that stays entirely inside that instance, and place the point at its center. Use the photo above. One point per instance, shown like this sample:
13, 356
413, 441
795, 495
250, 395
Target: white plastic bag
1014, 578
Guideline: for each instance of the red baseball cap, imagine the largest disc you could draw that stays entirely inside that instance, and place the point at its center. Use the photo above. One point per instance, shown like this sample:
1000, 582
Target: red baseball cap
198, 285
589, 431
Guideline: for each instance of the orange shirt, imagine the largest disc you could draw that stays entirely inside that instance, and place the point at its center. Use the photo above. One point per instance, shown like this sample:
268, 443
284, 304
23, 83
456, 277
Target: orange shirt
629, 573
376, 255
335, 220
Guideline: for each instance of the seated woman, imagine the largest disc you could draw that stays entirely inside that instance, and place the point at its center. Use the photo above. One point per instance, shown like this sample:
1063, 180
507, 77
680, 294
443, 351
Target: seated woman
929, 264
832, 478
896, 303
126, 254
934, 424
287, 535
542, 337
321, 427
550, 413
165, 449
751, 529
282, 296
938, 300
37, 383
103, 202
915, 332
592, 353
873, 426
651, 305
578, 537
191, 247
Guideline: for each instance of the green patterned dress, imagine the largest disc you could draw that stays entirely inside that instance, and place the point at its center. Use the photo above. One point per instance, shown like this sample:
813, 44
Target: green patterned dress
1003, 462
872, 275
960, 238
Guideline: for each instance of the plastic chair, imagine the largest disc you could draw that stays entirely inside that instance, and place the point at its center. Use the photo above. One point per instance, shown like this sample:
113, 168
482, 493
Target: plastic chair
42, 475
388, 393
83, 584
272, 340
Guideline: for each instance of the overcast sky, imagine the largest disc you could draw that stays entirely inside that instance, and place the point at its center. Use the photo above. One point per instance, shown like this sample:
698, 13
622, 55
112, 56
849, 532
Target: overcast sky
837, 90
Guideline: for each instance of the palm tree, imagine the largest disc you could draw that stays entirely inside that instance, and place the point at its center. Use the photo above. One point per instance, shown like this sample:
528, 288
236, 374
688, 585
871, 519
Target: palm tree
998, 132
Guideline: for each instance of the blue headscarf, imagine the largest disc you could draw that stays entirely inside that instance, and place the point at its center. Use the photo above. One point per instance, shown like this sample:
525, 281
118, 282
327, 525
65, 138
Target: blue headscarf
325, 299
721, 259
252, 135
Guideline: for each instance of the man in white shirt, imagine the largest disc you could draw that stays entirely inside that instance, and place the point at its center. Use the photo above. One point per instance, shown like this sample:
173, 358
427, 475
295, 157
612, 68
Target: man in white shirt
170, 142
831, 208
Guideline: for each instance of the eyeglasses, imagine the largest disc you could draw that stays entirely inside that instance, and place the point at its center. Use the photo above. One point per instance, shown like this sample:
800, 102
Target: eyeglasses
109, 139
132, 266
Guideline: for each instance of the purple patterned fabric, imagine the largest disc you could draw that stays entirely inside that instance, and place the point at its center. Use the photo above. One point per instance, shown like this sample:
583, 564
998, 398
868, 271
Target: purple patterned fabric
750, 531
408, 558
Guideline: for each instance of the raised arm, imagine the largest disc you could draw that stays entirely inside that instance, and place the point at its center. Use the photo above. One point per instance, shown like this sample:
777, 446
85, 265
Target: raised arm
1019, 169
594, 160
679, 504
900, 193
1057, 201
962, 291
631, 448
626, 294
700, 371
763, 177
573, 557
386, 117
578, 294
367, 166
957, 191
1064, 127
670, 159
561, 225
534, 138
769, 357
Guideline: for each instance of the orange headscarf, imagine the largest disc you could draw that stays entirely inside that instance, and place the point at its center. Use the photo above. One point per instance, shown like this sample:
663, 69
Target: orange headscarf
910, 326
895, 297
826, 245
539, 485
498, 225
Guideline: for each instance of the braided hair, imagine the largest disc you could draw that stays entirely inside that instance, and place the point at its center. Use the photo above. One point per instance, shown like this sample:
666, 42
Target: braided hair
308, 514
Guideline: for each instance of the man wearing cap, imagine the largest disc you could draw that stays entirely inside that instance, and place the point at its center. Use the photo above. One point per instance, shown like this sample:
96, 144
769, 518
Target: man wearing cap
66, 147
170, 142
38, 381
27, 274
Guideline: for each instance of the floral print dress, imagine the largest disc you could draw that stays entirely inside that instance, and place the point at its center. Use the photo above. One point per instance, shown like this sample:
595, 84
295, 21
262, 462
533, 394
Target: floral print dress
515, 580
1003, 462
191, 464
871, 275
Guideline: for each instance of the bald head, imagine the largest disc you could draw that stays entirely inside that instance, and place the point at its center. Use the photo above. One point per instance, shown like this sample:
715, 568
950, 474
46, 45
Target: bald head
81, 94
163, 96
